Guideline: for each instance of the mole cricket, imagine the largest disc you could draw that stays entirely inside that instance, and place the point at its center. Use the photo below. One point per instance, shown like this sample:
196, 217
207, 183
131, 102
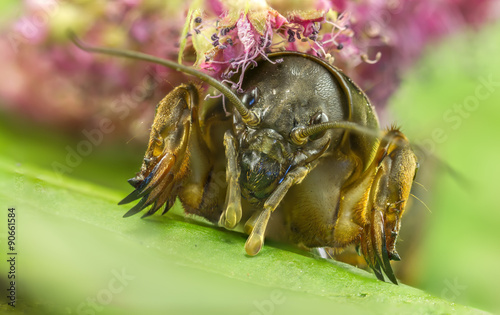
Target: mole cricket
304, 159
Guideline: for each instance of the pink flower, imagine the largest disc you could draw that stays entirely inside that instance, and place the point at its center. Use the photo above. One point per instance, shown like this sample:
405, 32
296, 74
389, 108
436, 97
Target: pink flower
51, 81
54, 82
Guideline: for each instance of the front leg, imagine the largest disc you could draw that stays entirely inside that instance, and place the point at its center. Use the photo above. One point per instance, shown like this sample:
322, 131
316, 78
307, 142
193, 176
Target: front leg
167, 158
256, 225
390, 191
370, 208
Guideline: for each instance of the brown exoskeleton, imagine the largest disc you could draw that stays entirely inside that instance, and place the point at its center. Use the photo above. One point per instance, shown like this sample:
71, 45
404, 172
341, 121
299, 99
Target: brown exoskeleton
303, 158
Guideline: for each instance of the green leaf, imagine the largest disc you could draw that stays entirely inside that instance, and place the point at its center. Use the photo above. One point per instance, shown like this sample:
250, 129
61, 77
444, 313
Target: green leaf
76, 254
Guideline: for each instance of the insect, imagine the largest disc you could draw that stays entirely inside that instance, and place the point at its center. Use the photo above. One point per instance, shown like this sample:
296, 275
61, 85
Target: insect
300, 159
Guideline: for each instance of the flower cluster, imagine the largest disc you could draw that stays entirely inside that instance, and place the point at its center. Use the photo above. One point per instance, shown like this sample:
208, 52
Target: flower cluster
50, 80
372, 41
238, 38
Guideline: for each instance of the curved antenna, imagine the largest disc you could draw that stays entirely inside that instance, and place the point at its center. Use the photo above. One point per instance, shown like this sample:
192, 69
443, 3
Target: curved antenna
248, 117
300, 135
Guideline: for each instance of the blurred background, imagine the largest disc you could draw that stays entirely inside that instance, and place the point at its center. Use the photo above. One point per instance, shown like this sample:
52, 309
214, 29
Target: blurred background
73, 128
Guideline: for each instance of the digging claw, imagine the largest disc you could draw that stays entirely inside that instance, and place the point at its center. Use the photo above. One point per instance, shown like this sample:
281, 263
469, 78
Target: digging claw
375, 250
394, 256
153, 190
381, 250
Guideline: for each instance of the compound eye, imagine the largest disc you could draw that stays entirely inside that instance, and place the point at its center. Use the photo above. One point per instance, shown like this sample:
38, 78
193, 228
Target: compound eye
318, 119
250, 97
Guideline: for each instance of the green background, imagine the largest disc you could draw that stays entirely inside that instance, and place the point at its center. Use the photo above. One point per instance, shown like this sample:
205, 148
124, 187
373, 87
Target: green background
461, 243
72, 240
